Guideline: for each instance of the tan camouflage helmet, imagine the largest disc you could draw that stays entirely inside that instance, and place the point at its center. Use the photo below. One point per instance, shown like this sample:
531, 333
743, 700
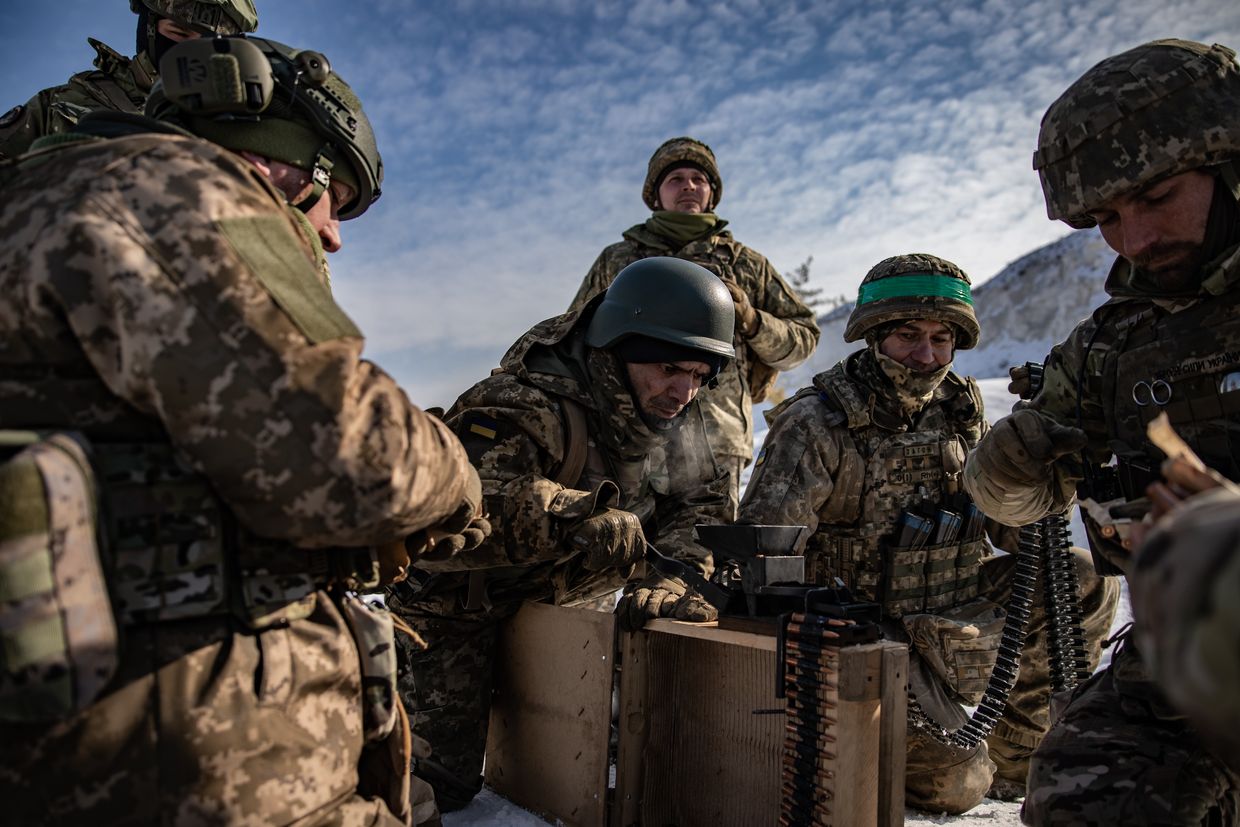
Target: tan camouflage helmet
915, 286
673, 153
205, 16
1166, 107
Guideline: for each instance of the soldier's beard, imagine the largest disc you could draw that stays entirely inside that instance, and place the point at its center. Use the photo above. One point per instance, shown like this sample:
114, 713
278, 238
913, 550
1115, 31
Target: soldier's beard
1173, 267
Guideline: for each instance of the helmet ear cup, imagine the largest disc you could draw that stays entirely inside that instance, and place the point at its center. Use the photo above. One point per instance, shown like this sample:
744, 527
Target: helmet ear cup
262, 96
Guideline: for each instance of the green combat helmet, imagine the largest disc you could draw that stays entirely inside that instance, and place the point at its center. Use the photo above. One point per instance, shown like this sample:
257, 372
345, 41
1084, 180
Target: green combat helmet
261, 96
670, 300
204, 16
915, 286
678, 151
1163, 108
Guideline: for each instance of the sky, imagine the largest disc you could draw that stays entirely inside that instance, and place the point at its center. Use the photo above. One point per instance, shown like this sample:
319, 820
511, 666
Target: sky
515, 136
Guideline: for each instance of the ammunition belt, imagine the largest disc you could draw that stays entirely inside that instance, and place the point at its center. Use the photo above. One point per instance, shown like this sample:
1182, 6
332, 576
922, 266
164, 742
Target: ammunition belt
1065, 641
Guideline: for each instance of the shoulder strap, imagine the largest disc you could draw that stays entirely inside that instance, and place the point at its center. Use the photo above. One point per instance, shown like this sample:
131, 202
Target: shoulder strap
575, 443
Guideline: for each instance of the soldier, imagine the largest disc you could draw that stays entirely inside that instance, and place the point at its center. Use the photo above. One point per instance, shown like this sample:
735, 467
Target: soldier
876, 444
568, 438
119, 82
198, 654
1185, 577
774, 330
1144, 145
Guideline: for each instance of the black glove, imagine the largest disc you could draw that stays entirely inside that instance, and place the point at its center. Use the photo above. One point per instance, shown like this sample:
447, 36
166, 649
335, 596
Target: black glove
659, 596
610, 538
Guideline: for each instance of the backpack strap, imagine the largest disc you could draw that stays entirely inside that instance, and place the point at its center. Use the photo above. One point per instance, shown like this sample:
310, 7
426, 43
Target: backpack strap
576, 443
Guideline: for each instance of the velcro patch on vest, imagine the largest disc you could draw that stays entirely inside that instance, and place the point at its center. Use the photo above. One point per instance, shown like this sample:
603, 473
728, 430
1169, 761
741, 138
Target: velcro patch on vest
267, 244
480, 433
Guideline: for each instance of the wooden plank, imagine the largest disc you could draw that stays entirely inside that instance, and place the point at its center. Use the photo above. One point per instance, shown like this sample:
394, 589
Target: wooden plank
712, 756
861, 671
634, 716
547, 746
893, 736
711, 632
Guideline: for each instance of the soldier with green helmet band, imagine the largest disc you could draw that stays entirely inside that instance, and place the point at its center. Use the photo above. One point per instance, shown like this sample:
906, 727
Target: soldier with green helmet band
876, 445
774, 330
573, 437
118, 82
1144, 145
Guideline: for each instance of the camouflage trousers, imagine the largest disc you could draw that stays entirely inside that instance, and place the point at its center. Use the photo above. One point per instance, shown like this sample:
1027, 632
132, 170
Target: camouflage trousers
447, 686
205, 724
1119, 754
941, 778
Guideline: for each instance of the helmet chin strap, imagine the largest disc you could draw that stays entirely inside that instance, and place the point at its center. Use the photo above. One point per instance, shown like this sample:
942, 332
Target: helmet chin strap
320, 181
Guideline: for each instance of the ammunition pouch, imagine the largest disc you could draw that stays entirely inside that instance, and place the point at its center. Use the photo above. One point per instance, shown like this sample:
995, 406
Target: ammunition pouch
960, 645
902, 580
59, 643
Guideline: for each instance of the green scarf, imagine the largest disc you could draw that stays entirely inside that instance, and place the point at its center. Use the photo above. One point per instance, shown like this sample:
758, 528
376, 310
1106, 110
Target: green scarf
683, 227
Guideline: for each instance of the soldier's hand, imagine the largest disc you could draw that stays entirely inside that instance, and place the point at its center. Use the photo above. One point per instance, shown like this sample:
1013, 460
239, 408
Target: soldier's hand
610, 538
746, 316
1021, 384
463, 530
659, 596
1021, 447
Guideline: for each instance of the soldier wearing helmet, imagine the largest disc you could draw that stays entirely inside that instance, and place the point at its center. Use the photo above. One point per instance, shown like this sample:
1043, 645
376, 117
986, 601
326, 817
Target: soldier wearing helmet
119, 82
774, 330
569, 437
183, 639
880, 439
1144, 145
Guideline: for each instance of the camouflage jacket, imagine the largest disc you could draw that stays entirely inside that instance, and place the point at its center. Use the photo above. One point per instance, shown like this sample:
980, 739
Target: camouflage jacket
817, 466
786, 337
155, 288
514, 427
1136, 356
117, 82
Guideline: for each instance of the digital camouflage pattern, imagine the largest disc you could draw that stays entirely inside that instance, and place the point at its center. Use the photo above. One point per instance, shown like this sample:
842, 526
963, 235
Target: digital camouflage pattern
117, 82
786, 336
212, 334
844, 459
677, 151
207, 16
916, 302
1164, 107
1184, 581
513, 426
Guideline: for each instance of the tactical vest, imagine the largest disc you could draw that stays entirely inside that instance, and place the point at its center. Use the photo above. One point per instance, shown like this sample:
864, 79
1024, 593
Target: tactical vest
884, 471
1144, 361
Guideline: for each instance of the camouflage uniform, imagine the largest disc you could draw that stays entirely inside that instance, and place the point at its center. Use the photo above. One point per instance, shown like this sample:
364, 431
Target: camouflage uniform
1184, 582
1143, 352
514, 427
787, 332
117, 82
241, 444
818, 469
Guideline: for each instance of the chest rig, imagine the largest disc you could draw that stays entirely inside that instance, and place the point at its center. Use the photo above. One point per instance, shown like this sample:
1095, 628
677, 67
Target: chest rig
1186, 364
886, 469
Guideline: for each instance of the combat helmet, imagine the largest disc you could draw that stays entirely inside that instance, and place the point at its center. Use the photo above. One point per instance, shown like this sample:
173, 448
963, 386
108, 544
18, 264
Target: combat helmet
680, 151
671, 301
204, 16
1166, 107
915, 286
265, 97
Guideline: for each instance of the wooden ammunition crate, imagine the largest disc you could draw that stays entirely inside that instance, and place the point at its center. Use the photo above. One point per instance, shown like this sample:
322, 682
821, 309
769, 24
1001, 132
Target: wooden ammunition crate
700, 728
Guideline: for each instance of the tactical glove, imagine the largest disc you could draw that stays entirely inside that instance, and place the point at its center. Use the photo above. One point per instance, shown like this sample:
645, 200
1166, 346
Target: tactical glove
1021, 384
1021, 448
463, 530
746, 316
610, 538
659, 596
